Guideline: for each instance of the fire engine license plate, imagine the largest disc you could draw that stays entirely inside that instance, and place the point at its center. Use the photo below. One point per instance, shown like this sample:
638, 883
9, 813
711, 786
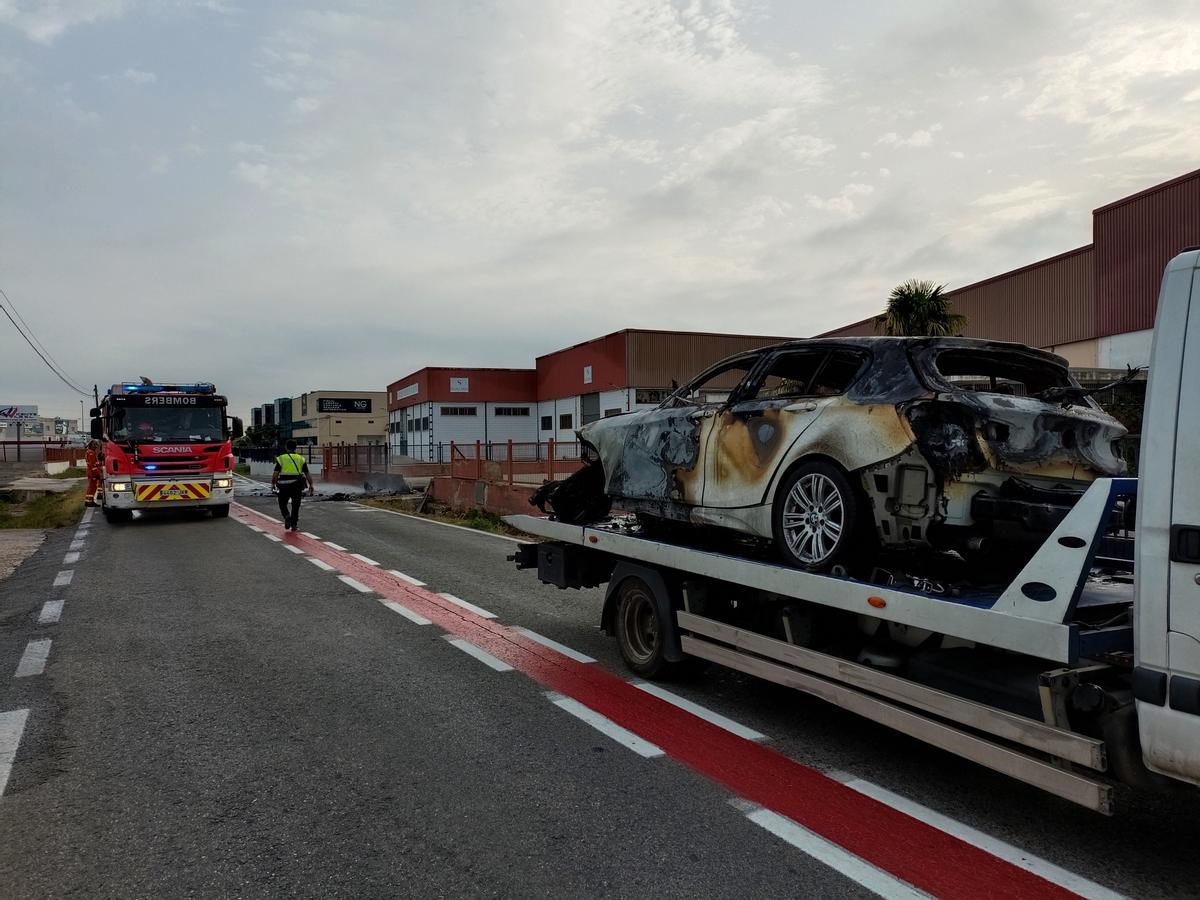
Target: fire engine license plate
151, 493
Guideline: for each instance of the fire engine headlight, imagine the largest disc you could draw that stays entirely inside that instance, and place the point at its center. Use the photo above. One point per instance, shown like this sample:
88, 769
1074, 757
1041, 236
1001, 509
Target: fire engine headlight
119, 486
222, 482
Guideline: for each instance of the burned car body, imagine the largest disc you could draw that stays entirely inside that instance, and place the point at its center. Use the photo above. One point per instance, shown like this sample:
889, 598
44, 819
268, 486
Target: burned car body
827, 446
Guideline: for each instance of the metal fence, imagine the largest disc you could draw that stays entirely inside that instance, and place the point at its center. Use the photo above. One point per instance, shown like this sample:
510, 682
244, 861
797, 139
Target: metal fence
28, 451
529, 462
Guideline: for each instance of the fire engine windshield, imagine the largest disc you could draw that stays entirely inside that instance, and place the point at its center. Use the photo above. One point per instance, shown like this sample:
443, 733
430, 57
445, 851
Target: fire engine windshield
172, 425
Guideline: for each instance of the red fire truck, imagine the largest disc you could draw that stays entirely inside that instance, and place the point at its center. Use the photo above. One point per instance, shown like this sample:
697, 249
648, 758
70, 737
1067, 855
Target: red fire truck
165, 446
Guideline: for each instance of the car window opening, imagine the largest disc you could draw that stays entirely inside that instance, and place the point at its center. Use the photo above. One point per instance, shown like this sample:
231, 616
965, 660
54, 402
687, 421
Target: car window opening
998, 372
809, 374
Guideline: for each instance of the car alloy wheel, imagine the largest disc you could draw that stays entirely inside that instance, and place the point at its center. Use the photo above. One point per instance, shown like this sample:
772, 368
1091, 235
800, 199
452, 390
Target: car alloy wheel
816, 516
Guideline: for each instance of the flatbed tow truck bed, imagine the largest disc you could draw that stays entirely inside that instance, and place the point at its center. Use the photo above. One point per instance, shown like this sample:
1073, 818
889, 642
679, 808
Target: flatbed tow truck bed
1044, 613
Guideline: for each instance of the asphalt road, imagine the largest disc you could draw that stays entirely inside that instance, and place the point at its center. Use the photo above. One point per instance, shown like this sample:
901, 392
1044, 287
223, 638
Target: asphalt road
216, 716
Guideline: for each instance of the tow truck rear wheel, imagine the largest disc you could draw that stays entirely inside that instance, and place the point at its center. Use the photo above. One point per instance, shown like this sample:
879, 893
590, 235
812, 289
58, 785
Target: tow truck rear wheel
640, 634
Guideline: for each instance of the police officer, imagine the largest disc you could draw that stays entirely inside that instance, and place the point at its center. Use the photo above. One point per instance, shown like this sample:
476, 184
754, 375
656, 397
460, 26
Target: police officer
289, 476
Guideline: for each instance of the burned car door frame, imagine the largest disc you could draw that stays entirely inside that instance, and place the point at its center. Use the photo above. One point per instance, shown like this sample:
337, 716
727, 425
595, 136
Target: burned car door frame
755, 434
659, 469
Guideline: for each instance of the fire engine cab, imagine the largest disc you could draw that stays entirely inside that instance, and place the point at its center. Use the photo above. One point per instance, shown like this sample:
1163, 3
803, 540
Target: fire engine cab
165, 446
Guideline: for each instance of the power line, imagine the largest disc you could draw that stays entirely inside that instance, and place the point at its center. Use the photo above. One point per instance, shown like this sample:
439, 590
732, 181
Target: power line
41, 356
28, 330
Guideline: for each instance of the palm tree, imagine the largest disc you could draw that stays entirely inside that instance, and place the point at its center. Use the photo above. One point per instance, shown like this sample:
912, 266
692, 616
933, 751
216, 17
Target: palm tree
918, 307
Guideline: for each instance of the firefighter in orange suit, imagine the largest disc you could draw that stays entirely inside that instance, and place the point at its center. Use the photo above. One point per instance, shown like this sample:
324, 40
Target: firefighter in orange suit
94, 472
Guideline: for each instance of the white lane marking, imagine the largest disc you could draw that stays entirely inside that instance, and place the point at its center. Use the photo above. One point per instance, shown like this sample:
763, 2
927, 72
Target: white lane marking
272, 537
357, 585
63, 578
856, 869
366, 559
254, 528
701, 712
33, 660
321, 564
309, 534
414, 581
334, 546
51, 612
478, 610
87, 515
998, 848
482, 655
293, 549
69, 559
554, 645
503, 537
81, 533
12, 725
77, 545
405, 611
605, 726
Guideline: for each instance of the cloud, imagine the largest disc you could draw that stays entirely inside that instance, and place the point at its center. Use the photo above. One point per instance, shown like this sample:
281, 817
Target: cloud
137, 76
43, 22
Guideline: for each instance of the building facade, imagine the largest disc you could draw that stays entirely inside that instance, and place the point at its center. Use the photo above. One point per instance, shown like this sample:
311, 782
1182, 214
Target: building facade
436, 406
1095, 304
322, 418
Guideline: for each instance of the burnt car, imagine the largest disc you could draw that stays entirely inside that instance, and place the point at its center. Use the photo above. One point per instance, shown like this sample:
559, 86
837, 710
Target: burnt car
833, 447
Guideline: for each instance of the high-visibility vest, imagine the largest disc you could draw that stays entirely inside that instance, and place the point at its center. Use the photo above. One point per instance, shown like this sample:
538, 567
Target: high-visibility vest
290, 464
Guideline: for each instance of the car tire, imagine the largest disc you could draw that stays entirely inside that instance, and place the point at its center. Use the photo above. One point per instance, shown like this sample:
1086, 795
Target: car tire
221, 512
816, 517
639, 631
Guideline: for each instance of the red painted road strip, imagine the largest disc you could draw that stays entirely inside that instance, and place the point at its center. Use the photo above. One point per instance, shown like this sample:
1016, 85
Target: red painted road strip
905, 847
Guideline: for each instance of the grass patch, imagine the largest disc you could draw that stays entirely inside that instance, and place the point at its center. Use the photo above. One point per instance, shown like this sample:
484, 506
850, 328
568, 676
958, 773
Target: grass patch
479, 519
242, 469
70, 473
51, 511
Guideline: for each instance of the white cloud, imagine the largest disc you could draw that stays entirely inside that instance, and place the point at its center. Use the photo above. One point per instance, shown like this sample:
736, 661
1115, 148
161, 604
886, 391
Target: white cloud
922, 137
137, 76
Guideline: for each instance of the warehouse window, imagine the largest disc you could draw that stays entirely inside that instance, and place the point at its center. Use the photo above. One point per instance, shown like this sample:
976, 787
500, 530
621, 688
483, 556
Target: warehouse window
512, 410
611, 412
425, 424
565, 422
547, 423
459, 411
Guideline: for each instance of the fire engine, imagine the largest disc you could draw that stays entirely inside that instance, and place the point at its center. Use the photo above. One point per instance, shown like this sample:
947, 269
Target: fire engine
165, 446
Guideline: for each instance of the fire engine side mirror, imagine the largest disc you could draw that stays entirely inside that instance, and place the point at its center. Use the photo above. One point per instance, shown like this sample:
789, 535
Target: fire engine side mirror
95, 412
238, 431
97, 429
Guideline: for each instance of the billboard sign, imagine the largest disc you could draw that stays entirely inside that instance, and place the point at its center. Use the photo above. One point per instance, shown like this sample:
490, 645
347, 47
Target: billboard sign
344, 404
18, 413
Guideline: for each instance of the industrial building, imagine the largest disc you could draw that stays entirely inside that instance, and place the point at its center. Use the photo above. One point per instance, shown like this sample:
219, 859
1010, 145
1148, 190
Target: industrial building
631, 369
321, 418
1093, 305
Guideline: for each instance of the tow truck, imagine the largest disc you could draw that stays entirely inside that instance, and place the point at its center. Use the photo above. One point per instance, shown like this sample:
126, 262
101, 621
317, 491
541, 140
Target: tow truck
1081, 672
164, 445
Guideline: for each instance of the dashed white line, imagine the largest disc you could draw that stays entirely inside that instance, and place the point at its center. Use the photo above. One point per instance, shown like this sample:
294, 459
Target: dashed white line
33, 660
309, 534
69, 559
478, 610
63, 578
12, 726
254, 528
482, 655
82, 532
605, 726
77, 545
701, 712
334, 546
413, 581
366, 559
87, 515
503, 537
853, 867
405, 611
272, 537
321, 564
554, 645
293, 549
51, 612
998, 848
357, 585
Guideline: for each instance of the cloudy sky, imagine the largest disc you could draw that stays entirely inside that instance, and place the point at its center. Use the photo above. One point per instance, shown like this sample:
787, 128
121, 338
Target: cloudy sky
280, 197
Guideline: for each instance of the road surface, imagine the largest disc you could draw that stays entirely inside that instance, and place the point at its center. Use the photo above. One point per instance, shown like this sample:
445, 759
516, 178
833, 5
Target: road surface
216, 708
